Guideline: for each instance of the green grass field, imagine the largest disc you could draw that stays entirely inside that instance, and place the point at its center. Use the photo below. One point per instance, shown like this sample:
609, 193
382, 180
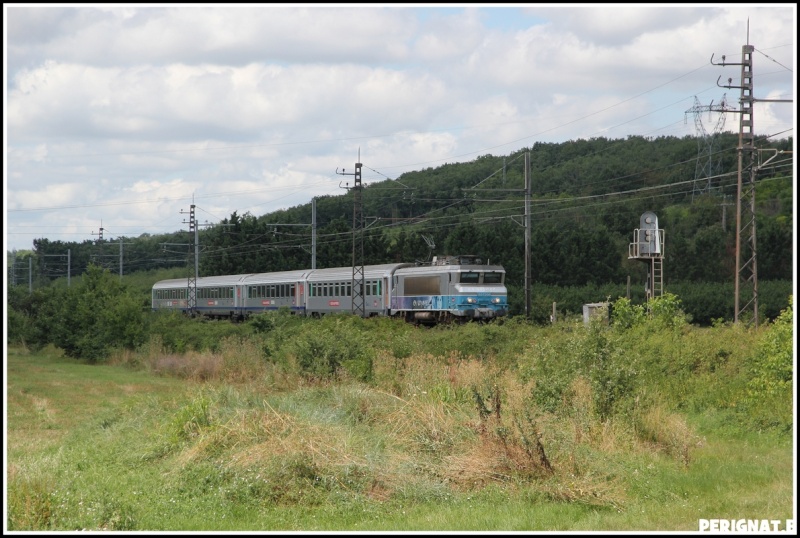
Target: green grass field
425, 445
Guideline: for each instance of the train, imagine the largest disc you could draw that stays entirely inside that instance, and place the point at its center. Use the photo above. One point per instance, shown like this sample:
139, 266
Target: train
446, 289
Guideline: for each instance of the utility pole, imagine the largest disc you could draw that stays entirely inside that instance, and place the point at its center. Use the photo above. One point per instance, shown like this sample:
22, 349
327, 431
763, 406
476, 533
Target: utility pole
746, 259
120, 250
191, 281
526, 224
13, 270
358, 240
100, 238
725, 205
192, 278
314, 233
528, 235
60, 256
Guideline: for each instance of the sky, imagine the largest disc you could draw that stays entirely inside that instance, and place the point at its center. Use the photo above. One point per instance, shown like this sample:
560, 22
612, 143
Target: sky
120, 116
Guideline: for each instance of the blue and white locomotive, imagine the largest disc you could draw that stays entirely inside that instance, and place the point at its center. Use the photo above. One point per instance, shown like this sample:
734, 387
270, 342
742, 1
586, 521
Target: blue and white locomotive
452, 288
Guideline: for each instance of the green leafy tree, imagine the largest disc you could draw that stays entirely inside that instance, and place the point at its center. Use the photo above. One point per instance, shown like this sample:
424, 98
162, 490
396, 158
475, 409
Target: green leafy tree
91, 318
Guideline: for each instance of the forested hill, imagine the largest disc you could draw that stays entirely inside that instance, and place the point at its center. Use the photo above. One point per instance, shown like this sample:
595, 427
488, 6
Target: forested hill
586, 200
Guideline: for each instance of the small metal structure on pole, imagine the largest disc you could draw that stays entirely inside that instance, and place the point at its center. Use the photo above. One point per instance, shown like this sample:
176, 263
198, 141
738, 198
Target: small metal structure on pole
648, 247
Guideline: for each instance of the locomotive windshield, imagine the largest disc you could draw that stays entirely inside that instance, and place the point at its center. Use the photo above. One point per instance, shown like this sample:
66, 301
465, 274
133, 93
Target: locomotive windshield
474, 277
470, 277
493, 278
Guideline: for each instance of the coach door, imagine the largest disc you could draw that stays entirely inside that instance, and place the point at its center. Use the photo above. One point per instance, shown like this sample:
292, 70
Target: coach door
300, 301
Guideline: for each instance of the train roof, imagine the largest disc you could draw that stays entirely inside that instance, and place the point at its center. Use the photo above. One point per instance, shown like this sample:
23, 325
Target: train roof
222, 280
277, 277
428, 269
312, 275
346, 273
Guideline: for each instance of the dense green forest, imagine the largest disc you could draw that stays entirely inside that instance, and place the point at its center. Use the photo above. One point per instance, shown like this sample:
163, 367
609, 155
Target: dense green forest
586, 200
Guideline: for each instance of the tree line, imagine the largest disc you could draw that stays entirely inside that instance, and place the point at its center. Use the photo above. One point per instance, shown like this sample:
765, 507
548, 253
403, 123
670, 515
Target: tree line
586, 200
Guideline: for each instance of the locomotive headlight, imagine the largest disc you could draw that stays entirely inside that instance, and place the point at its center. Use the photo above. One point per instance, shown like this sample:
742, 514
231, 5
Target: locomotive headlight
496, 300
470, 300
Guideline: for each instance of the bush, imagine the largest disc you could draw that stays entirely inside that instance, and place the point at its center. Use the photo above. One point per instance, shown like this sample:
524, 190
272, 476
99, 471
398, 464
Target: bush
769, 392
340, 344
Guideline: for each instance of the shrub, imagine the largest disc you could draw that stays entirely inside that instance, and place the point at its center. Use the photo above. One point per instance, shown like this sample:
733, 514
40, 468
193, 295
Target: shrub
338, 345
769, 392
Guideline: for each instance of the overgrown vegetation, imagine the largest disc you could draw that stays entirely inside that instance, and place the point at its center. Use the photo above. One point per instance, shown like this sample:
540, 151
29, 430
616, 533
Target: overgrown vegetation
345, 423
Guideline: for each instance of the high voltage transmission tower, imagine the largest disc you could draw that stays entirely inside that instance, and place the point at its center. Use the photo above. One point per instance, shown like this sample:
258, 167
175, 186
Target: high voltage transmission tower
709, 158
746, 263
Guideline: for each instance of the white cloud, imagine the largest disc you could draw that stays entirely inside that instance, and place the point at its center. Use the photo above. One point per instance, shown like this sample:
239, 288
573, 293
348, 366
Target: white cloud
124, 113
